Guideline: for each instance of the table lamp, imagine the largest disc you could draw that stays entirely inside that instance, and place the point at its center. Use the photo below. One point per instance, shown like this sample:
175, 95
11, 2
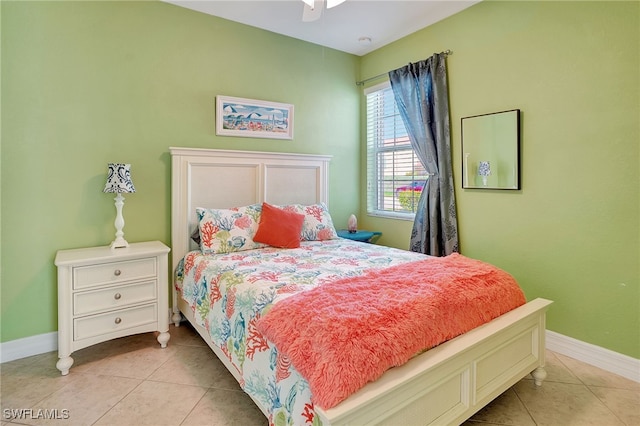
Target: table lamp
484, 170
119, 181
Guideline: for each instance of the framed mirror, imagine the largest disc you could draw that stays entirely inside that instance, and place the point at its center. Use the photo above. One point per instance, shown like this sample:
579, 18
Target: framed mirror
491, 150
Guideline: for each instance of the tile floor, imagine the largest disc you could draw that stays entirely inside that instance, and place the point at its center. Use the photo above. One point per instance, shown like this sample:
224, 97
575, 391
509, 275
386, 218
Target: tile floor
131, 381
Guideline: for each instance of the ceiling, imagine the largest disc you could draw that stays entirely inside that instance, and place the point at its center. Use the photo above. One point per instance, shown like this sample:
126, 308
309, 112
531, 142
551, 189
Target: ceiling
342, 27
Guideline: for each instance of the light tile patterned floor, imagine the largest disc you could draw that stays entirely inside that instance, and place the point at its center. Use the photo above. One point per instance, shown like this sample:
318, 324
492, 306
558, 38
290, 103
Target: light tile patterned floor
131, 381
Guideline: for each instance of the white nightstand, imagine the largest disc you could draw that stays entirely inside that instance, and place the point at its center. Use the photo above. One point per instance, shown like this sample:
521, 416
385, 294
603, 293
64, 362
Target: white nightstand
106, 293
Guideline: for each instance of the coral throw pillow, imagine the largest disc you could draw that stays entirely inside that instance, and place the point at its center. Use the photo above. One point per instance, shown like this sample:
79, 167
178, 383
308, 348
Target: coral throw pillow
279, 228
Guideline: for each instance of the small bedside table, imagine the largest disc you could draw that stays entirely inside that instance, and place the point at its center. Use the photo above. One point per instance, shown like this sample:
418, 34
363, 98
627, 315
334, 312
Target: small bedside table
362, 236
106, 293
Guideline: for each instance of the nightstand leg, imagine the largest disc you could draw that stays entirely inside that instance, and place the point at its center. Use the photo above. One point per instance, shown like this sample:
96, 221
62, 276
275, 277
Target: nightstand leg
64, 364
163, 338
176, 318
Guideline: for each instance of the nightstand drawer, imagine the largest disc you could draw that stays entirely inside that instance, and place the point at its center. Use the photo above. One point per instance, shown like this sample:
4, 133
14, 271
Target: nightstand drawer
114, 297
107, 273
97, 325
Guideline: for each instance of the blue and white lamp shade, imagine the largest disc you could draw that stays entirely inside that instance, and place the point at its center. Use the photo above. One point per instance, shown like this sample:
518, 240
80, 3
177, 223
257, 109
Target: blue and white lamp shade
484, 168
119, 178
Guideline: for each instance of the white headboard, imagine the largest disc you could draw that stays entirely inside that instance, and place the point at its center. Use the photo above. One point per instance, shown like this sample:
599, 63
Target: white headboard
220, 179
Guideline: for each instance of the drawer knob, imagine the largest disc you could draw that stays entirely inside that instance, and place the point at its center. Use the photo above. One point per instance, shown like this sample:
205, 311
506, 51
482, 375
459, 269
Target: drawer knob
117, 296
117, 272
118, 320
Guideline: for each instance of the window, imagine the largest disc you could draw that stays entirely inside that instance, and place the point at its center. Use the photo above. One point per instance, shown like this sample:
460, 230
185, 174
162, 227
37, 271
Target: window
395, 176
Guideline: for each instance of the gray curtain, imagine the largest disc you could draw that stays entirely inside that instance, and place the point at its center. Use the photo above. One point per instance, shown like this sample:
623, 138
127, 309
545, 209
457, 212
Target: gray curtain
420, 91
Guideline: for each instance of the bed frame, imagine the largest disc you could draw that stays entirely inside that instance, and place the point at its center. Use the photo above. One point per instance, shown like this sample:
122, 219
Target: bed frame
445, 385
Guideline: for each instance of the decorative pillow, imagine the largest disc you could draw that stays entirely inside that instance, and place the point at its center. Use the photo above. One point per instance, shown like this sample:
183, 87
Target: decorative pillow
279, 228
318, 225
226, 231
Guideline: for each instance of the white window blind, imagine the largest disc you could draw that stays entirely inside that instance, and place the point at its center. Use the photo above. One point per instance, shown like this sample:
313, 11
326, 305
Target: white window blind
395, 176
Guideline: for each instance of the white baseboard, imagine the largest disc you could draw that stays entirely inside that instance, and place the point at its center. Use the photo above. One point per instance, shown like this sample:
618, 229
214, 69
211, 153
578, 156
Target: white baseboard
606, 359
34, 345
28, 346
597, 356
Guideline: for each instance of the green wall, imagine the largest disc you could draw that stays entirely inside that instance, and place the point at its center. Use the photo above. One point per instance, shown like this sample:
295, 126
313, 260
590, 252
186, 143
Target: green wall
572, 233
88, 83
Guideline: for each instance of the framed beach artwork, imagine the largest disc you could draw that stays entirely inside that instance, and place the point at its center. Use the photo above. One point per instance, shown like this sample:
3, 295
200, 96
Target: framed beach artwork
251, 118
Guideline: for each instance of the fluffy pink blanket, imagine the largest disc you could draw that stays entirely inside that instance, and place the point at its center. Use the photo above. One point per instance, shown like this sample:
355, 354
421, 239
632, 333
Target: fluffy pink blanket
341, 335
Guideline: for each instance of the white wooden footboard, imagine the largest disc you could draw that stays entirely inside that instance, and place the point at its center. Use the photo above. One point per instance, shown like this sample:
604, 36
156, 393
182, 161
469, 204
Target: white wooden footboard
449, 383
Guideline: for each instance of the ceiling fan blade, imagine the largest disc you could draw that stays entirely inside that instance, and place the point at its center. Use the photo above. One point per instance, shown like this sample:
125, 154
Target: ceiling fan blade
333, 3
310, 14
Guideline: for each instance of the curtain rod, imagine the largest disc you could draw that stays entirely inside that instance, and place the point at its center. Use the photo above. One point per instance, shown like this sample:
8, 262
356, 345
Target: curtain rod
362, 82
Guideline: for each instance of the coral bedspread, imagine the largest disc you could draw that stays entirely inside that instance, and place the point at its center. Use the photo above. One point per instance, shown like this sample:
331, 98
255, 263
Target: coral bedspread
349, 332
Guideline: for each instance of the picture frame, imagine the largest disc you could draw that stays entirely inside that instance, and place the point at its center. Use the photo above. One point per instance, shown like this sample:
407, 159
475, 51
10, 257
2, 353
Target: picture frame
253, 118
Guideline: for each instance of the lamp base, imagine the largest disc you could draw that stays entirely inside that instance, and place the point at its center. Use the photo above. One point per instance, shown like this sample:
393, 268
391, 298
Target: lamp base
119, 243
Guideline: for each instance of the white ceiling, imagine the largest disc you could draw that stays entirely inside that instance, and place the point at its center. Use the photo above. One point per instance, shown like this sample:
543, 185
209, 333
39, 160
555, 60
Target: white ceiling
341, 27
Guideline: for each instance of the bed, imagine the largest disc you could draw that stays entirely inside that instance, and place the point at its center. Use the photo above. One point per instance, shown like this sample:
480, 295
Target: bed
444, 385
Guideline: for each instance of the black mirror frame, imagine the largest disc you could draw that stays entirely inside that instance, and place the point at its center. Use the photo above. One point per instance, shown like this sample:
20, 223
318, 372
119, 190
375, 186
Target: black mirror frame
464, 163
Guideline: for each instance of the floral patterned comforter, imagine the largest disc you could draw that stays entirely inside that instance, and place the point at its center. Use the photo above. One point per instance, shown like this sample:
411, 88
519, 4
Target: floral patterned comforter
229, 292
